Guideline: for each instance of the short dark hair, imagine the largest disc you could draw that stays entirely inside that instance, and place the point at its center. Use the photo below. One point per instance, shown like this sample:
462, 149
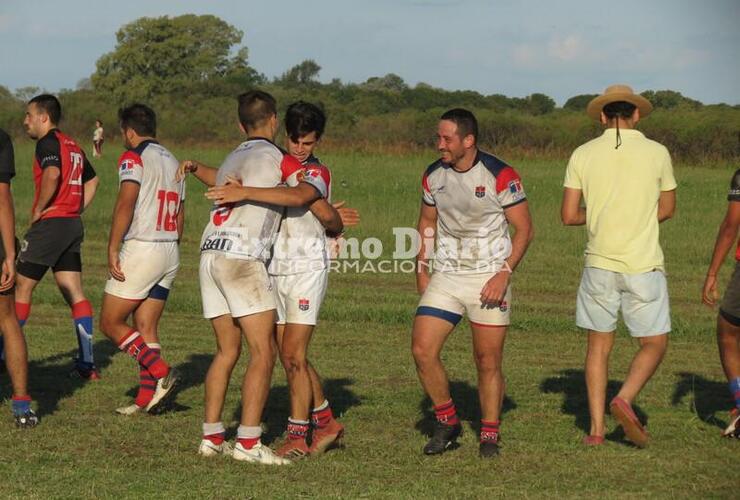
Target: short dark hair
255, 107
302, 118
619, 109
465, 121
50, 105
140, 118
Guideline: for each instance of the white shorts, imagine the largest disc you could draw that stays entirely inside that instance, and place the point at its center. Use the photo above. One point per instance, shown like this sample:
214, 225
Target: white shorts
299, 296
642, 298
149, 267
234, 286
449, 295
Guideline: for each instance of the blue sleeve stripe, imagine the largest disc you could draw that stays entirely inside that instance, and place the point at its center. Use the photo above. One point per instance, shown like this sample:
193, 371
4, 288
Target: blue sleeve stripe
451, 317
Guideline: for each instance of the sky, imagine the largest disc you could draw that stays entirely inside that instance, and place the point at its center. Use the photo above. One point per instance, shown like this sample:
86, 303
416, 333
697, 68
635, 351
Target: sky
559, 48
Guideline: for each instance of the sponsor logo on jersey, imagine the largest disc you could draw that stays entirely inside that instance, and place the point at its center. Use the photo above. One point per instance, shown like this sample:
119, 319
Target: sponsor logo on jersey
303, 304
515, 186
480, 191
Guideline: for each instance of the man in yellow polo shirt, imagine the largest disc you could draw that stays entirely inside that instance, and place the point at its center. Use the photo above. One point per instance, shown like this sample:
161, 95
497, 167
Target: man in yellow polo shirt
627, 184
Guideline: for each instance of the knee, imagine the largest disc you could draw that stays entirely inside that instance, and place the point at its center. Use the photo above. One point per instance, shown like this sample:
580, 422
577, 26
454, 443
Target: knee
228, 357
294, 362
105, 324
488, 362
423, 354
263, 355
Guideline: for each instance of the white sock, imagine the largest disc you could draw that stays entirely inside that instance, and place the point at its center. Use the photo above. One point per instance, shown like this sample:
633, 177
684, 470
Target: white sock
215, 428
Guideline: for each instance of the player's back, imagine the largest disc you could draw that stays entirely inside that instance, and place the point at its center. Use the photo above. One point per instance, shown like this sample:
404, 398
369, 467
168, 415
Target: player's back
154, 168
247, 230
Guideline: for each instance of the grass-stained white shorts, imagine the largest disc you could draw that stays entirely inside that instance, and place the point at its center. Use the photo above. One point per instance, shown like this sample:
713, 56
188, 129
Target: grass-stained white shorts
234, 286
642, 298
299, 296
449, 295
145, 264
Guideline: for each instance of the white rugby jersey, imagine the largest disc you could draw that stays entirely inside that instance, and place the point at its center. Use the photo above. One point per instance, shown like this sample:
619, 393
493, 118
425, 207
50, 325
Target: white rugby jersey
472, 231
154, 168
301, 244
247, 230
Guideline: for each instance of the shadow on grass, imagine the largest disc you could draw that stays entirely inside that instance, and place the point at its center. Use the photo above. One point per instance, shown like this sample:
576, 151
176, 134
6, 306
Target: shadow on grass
275, 416
572, 384
49, 379
467, 404
707, 397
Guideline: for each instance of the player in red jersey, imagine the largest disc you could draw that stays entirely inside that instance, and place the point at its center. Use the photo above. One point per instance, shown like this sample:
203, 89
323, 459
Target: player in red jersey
65, 185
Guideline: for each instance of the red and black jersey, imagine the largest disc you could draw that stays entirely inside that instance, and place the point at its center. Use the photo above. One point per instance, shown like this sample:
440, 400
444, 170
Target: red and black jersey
58, 150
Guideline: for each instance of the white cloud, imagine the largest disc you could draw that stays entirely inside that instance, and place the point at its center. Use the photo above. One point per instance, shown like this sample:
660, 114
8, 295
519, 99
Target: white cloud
567, 48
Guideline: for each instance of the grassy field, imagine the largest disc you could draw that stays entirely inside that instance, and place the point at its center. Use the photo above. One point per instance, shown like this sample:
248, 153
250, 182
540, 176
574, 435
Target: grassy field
361, 348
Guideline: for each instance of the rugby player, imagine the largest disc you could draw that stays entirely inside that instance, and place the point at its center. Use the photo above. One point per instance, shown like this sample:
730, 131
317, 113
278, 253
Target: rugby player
16, 354
469, 200
143, 253
299, 274
235, 287
65, 183
728, 319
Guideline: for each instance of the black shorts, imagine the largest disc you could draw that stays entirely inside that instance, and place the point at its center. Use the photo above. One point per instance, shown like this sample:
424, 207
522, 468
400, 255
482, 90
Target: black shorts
730, 307
53, 243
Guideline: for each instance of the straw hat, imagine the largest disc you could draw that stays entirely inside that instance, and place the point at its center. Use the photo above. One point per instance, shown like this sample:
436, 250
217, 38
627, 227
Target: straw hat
616, 93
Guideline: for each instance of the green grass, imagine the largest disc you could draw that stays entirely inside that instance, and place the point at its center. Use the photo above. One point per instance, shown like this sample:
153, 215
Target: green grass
361, 349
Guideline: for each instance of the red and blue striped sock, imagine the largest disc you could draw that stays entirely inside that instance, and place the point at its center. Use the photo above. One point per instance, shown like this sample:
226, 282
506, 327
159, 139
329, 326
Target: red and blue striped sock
22, 312
134, 345
147, 383
735, 390
446, 413
489, 431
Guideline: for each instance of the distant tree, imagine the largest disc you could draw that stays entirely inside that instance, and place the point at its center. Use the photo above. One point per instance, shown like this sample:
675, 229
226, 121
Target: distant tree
388, 83
169, 54
305, 73
84, 84
26, 93
578, 102
5, 93
667, 99
540, 104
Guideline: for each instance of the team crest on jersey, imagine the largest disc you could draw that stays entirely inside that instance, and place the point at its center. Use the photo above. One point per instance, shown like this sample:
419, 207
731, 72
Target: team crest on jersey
503, 306
515, 186
127, 164
300, 175
303, 304
480, 191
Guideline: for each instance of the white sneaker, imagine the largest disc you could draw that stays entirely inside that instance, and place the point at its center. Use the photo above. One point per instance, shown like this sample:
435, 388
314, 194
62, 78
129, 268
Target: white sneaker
258, 454
164, 388
208, 448
733, 430
131, 409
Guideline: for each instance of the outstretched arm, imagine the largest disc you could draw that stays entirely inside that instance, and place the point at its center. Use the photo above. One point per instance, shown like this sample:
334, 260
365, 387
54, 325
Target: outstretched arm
202, 172
234, 192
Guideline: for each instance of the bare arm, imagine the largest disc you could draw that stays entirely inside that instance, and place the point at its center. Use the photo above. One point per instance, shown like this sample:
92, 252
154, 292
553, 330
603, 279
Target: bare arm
123, 214
202, 172
426, 227
327, 215
571, 211
725, 239
49, 184
666, 205
91, 187
233, 192
180, 221
494, 291
7, 230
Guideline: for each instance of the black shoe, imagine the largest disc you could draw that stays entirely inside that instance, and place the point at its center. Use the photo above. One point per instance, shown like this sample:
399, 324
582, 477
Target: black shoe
444, 436
26, 419
488, 449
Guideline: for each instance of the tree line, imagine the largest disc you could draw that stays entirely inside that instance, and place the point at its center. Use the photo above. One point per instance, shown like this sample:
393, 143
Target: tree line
190, 68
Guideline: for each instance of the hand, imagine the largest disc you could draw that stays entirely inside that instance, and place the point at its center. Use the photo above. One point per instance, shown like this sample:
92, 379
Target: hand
494, 290
231, 192
709, 294
350, 216
186, 167
422, 281
7, 277
335, 246
114, 266
37, 214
